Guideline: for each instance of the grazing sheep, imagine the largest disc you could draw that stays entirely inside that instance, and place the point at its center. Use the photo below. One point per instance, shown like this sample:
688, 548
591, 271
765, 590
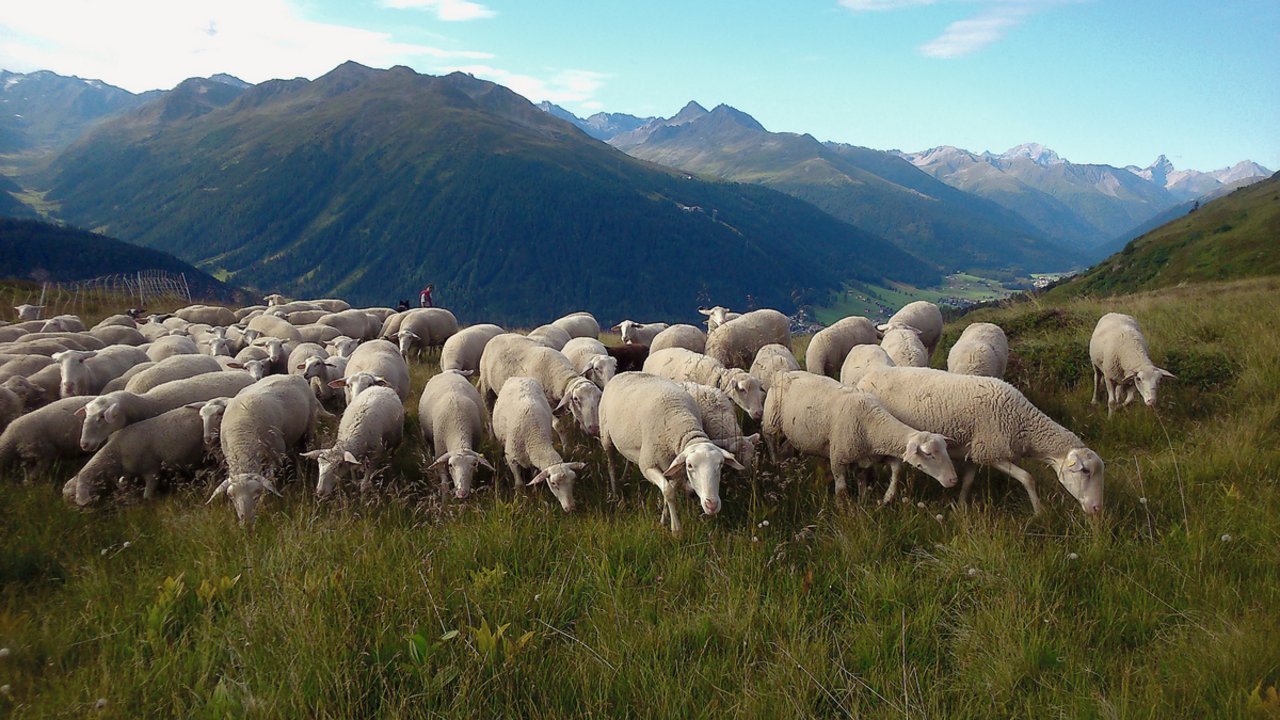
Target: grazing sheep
260, 425
208, 314
717, 316
318, 333
353, 323
28, 312
24, 365
306, 317
861, 359
85, 373
168, 346
12, 406
552, 336
211, 414
579, 325
320, 373
149, 450
272, 326
630, 357
371, 428
380, 359
634, 333
678, 364
655, 424
463, 349
342, 346
1118, 351
424, 328
982, 349
683, 336
771, 360
452, 417
830, 345
923, 316
818, 416
735, 343
511, 355
120, 382
989, 423
106, 414
904, 347
47, 380
522, 423
720, 422
298, 357
31, 345
119, 335
117, 320
44, 435
168, 370
64, 323
590, 357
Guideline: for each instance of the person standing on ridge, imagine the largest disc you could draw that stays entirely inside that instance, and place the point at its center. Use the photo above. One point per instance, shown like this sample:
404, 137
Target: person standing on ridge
424, 297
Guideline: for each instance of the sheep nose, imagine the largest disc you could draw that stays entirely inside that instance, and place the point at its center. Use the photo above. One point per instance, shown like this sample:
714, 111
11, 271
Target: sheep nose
569, 507
462, 493
711, 506
593, 430
1151, 403
950, 481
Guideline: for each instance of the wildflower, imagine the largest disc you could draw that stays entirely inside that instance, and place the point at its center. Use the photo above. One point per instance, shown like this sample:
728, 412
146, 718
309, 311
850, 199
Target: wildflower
1226, 538
102, 702
973, 571
1142, 500
4, 652
1073, 556
938, 517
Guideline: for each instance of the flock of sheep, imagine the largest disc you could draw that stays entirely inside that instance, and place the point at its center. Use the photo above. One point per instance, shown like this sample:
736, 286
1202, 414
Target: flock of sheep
170, 394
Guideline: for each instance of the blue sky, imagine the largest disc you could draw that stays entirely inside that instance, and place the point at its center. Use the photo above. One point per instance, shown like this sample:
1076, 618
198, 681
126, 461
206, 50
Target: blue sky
1105, 81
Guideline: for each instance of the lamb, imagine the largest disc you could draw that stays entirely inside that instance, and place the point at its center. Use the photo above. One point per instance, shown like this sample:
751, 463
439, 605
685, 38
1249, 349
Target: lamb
167, 347
259, 426
717, 316
771, 360
861, 359
904, 347
819, 416
923, 316
522, 423
655, 424
579, 325
28, 312
424, 328
45, 435
630, 357
371, 428
590, 357
735, 343
634, 333
989, 423
1118, 351
982, 349
380, 359
463, 349
829, 346
552, 336
679, 364
353, 323
511, 355
85, 373
720, 422
208, 314
683, 336
108, 413
452, 417
147, 450
177, 367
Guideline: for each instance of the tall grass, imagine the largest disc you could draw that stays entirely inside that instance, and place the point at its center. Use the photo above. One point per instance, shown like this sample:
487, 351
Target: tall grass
788, 604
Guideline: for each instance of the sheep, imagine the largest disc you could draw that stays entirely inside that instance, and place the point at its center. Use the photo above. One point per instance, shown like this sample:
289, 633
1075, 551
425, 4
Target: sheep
771, 360
320, 373
679, 364
44, 435
118, 335
634, 333
380, 359
982, 349
590, 357
259, 426
717, 316
211, 413
306, 317
28, 312
318, 333
720, 422
171, 441
48, 382
630, 357
829, 346
12, 406
522, 423
167, 347
177, 367
989, 423
353, 323
117, 320
341, 346
332, 305
1118, 352
85, 373
861, 359
120, 382
300, 355
684, 336
817, 415
209, 314
274, 327
513, 355
424, 328
553, 336
108, 413
24, 365
380, 313
47, 346
579, 325
463, 349
452, 418
371, 428
63, 323
655, 424
30, 394
275, 299
735, 343
921, 315
904, 347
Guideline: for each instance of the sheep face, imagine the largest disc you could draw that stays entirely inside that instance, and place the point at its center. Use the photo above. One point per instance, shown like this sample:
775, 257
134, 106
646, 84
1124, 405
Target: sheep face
746, 393
1147, 382
244, 490
560, 479
701, 463
408, 341
461, 466
330, 463
927, 452
211, 420
360, 382
257, 369
601, 369
28, 312
583, 400
30, 393
220, 346
1081, 473
344, 346
75, 375
102, 416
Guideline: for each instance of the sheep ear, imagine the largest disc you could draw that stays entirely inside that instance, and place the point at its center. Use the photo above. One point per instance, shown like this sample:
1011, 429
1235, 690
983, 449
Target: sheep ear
563, 404
440, 462
704, 311
753, 438
112, 413
312, 454
539, 477
732, 461
269, 486
196, 405
220, 490
576, 466
236, 365
480, 459
379, 380
465, 373
677, 464
340, 382
348, 457
1166, 373
80, 412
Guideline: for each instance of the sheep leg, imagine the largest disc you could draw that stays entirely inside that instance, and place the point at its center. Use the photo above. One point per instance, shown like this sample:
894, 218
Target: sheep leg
1023, 477
840, 472
444, 483
966, 484
1113, 393
895, 473
515, 473
613, 474
150, 482
670, 493
1097, 384
561, 425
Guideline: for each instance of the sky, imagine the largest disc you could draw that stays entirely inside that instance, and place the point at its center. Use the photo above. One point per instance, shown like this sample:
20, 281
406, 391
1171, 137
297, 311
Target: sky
1099, 81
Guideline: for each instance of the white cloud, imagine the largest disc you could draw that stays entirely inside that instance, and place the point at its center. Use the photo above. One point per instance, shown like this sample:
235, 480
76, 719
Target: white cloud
965, 37
447, 10
563, 87
148, 44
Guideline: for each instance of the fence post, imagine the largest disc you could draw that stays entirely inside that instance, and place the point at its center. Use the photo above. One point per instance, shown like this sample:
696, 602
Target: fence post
141, 301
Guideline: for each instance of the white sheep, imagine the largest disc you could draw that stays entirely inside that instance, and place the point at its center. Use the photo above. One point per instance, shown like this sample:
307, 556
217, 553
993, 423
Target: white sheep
720, 422
771, 360
590, 357
982, 349
307, 317
119, 335
318, 333
655, 424
921, 315
106, 414
579, 325
304, 352
819, 416
522, 424
170, 369
117, 320
904, 347
452, 417
320, 373
1121, 363
12, 406
511, 355
45, 435
830, 345
861, 359
271, 326
463, 349
989, 423
635, 333
553, 336
370, 429
260, 425
211, 414
170, 345
717, 316
332, 304
382, 360
342, 346
170, 442
684, 336
735, 342
353, 323
28, 312
678, 364
86, 373
210, 314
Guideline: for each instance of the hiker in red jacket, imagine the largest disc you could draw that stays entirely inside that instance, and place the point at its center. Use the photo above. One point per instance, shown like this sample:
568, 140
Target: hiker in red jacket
424, 297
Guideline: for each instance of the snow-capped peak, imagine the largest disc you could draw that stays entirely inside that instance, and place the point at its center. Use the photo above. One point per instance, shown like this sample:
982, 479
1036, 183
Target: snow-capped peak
1034, 152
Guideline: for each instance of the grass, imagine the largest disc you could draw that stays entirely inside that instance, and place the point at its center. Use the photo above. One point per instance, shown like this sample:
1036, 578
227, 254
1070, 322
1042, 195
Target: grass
878, 303
786, 605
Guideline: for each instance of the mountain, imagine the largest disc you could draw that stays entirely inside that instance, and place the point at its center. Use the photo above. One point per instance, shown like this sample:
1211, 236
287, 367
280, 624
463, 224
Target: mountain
873, 190
601, 126
367, 184
37, 250
1192, 184
1231, 237
43, 111
10, 205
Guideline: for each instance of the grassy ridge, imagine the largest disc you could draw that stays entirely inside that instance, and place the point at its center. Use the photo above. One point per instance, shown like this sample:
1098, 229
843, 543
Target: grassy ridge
363, 607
